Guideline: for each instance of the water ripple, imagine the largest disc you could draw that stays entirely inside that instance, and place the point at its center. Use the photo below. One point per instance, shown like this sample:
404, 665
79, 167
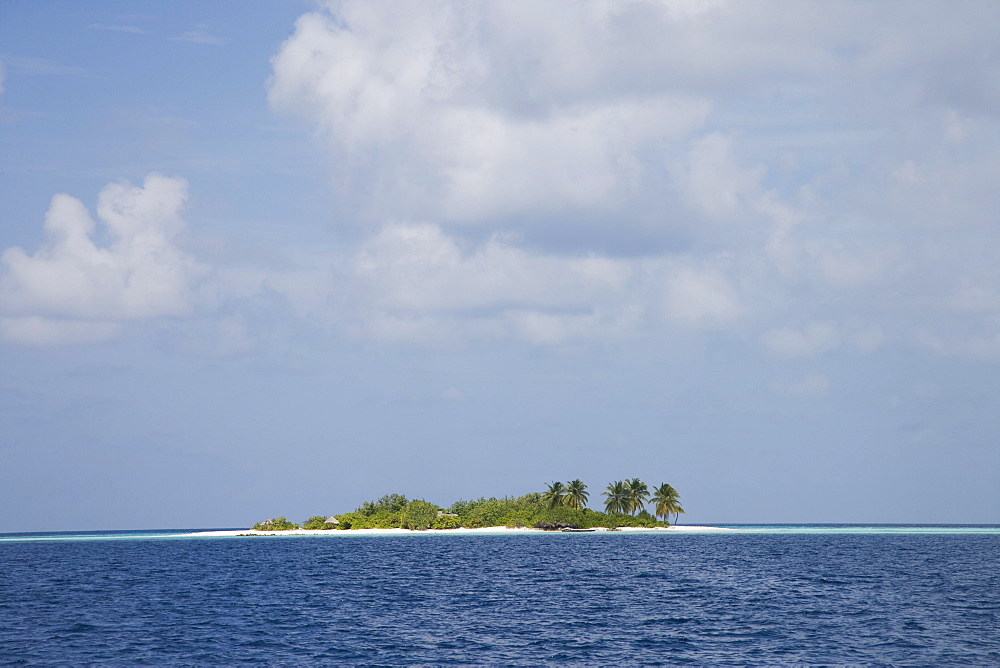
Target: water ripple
513, 600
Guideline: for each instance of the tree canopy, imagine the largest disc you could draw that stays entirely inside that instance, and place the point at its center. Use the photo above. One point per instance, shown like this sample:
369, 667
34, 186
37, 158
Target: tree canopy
560, 505
666, 502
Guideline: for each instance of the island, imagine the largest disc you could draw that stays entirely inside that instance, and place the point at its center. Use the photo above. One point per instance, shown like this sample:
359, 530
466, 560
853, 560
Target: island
561, 507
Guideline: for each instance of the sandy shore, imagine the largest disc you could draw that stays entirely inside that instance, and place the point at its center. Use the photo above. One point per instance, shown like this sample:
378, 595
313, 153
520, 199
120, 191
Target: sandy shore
452, 532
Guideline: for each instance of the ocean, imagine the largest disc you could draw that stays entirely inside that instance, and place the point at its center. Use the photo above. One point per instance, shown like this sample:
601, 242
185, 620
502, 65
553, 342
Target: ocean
764, 595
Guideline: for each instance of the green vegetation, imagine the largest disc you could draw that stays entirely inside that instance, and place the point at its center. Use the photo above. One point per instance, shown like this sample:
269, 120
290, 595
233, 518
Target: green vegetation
319, 522
390, 504
419, 515
316, 522
576, 494
561, 505
554, 495
666, 501
275, 524
636, 492
617, 501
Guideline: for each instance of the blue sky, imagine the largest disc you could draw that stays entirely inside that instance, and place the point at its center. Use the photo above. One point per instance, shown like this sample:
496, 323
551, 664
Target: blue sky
269, 259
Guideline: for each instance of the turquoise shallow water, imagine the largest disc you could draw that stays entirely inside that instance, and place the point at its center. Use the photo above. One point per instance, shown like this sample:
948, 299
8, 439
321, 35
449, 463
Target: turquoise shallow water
771, 595
102, 535
867, 528
155, 534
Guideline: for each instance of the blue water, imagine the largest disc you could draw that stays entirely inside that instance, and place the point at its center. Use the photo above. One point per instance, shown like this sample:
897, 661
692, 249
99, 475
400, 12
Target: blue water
772, 595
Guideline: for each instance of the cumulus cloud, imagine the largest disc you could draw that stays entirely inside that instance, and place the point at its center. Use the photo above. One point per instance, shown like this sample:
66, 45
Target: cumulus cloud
556, 173
406, 98
429, 116
416, 279
420, 268
600, 169
74, 288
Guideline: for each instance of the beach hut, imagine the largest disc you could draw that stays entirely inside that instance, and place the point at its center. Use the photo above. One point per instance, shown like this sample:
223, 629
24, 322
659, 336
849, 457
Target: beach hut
332, 521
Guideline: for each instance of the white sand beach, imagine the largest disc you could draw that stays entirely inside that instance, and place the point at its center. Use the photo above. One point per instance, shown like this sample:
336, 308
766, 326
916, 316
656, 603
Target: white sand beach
451, 532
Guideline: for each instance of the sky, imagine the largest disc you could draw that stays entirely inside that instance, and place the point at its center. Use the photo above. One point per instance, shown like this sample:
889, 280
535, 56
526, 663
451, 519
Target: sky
262, 259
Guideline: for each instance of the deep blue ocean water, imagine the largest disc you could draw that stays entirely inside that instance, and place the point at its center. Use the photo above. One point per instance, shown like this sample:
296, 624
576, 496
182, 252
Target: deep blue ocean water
773, 595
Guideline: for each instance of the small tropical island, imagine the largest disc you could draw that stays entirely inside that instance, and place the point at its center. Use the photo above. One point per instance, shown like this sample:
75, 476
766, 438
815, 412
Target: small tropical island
561, 507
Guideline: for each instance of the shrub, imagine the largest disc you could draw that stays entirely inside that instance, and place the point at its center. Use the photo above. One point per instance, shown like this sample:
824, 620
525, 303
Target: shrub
518, 519
275, 524
419, 514
636, 521
461, 507
555, 526
446, 522
384, 520
563, 516
316, 522
495, 512
390, 503
352, 521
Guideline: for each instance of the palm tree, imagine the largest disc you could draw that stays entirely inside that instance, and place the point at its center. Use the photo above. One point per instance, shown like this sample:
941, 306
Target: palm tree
617, 498
554, 495
668, 502
576, 494
637, 493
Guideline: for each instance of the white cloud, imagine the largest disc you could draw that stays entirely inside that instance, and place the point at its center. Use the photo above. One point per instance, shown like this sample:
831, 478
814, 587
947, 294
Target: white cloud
428, 89
810, 385
420, 268
415, 281
44, 67
867, 339
200, 35
582, 159
454, 395
818, 337
848, 265
814, 338
651, 139
74, 284
119, 28
39, 331
701, 295
557, 173
979, 343
713, 180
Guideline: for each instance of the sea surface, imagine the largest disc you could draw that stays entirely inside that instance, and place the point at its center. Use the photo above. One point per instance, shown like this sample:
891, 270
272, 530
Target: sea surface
762, 595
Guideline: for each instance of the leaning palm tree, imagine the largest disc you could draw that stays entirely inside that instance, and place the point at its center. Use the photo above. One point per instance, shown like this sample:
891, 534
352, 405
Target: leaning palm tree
637, 492
576, 494
667, 501
616, 501
554, 496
